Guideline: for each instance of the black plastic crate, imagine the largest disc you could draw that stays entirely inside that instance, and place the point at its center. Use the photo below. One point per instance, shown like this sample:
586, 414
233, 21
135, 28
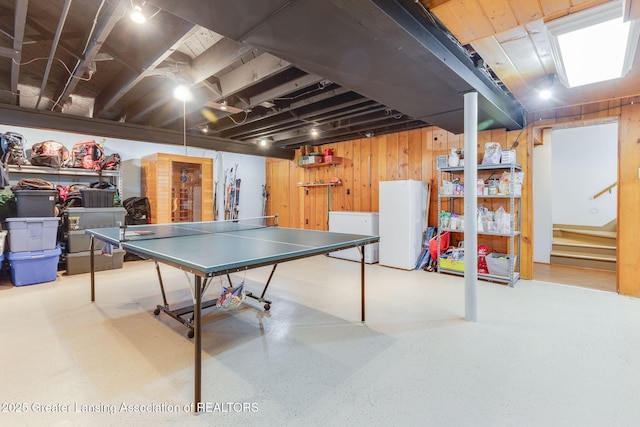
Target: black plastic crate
97, 198
36, 203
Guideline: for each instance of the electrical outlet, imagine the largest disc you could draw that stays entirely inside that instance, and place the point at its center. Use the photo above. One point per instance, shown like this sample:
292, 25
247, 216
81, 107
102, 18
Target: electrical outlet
306, 222
349, 191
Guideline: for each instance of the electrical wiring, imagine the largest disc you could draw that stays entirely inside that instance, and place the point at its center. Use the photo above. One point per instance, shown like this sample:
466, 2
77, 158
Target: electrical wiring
86, 79
242, 121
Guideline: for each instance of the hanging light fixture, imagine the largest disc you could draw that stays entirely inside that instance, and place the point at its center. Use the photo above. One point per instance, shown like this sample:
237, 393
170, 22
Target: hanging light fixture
137, 16
182, 93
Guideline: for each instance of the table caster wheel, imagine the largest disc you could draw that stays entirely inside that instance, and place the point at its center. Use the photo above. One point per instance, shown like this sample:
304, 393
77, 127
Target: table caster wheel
267, 307
190, 334
156, 311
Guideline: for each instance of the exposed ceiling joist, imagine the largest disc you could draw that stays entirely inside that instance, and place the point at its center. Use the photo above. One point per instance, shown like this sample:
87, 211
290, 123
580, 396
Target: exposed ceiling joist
54, 46
107, 128
20, 19
124, 82
111, 15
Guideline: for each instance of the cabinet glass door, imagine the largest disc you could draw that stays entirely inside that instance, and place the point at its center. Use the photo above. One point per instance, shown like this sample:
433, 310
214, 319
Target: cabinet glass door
186, 192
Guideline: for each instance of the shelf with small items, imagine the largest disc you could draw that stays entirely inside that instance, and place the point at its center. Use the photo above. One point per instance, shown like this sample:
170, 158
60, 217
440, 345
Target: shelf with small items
334, 160
484, 233
319, 184
498, 223
492, 196
483, 276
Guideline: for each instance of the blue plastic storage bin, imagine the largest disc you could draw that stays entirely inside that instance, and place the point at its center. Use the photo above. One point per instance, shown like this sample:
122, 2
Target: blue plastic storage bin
29, 268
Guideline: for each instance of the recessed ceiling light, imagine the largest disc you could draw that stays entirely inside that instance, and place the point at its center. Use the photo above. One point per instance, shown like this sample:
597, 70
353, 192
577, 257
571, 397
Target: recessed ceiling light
545, 94
314, 132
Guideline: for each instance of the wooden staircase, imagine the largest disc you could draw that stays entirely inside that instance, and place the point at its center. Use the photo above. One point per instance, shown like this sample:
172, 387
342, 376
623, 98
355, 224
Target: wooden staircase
589, 247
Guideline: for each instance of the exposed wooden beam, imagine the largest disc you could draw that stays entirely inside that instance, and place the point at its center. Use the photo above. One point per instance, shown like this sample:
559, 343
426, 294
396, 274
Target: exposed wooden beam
122, 83
9, 53
108, 21
259, 69
17, 116
20, 19
54, 46
215, 59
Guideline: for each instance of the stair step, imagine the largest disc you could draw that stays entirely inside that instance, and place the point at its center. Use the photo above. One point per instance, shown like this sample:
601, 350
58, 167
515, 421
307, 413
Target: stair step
577, 242
578, 260
605, 238
592, 256
587, 232
583, 248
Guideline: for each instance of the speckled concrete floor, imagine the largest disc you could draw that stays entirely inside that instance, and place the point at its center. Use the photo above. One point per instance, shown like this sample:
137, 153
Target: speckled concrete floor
541, 354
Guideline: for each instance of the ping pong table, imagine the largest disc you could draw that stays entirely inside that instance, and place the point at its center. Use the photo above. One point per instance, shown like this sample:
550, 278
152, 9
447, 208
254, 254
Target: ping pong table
210, 249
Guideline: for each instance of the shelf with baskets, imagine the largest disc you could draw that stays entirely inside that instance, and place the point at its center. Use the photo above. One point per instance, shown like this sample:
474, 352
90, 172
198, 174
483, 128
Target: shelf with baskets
333, 160
499, 219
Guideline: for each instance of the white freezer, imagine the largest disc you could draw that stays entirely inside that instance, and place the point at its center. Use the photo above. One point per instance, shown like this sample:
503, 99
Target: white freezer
402, 221
355, 223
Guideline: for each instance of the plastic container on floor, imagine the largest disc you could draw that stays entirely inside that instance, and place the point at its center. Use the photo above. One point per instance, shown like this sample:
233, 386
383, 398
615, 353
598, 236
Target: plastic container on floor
80, 262
29, 268
32, 234
3, 237
79, 241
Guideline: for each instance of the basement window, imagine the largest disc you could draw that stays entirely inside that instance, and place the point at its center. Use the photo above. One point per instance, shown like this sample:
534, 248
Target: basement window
593, 45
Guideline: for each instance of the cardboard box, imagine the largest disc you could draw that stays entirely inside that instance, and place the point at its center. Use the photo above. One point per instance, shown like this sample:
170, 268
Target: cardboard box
508, 156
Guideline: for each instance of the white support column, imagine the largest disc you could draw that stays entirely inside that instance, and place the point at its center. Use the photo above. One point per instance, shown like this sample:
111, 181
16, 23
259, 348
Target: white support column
470, 206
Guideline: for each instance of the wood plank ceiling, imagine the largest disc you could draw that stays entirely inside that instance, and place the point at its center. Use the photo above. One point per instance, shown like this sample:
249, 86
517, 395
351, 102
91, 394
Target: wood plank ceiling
511, 39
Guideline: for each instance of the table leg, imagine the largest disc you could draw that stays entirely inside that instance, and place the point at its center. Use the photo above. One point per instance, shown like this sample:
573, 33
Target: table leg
362, 280
93, 270
197, 312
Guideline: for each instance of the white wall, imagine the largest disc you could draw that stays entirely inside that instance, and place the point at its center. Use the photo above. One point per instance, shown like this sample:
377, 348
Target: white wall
584, 161
251, 169
542, 208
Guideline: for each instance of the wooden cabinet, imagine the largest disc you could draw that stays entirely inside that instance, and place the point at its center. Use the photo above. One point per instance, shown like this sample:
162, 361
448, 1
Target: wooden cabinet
179, 188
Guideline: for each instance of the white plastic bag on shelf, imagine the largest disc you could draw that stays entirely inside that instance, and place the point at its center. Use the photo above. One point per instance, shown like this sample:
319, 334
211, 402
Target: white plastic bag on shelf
503, 221
492, 153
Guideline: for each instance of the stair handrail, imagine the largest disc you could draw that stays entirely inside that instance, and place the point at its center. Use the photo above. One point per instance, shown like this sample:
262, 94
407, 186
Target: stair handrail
607, 189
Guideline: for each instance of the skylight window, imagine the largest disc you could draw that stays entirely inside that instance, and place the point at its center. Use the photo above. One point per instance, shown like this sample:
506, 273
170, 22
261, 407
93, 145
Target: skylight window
594, 45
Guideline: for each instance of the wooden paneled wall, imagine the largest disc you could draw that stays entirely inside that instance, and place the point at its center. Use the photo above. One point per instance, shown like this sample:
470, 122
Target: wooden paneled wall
367, 161
627, 112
